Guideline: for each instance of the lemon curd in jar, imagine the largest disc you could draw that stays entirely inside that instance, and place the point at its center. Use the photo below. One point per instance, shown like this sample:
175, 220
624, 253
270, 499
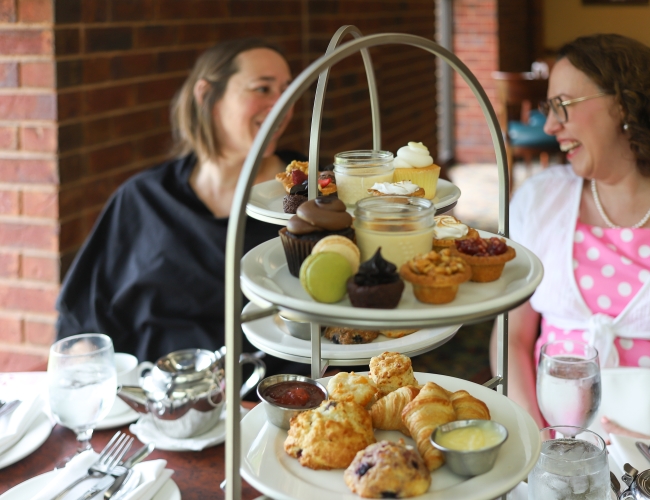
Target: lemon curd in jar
358, 171
469, 438
402, 226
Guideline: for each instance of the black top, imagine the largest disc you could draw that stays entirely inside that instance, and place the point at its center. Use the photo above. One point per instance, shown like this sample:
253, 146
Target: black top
151, 274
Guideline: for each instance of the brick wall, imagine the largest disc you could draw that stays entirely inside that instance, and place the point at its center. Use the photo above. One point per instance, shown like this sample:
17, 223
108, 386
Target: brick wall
29, 236
117, 63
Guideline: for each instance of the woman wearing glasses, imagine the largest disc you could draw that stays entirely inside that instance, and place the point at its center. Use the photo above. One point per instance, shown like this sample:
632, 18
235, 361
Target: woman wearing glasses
589, 222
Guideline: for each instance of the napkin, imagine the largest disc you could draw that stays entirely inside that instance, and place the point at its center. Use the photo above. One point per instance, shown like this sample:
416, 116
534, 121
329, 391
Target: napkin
623, 450
152, 475
146, 431
14, 426
520, 492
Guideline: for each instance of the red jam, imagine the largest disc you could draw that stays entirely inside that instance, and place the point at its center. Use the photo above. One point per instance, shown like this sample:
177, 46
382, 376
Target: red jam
481, 247
294, 394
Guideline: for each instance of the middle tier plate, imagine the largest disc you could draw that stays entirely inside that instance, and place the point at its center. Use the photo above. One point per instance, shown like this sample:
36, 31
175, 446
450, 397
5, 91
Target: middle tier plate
265, 279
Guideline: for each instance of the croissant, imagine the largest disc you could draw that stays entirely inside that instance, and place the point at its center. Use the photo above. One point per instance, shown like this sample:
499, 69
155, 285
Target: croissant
387, 412
430, 408
467, 407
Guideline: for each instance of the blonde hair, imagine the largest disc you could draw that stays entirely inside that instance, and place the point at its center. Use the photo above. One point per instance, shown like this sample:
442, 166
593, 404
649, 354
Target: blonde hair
191, 121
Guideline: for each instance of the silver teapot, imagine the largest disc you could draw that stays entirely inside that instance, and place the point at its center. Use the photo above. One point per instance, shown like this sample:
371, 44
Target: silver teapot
185, 391
638, 484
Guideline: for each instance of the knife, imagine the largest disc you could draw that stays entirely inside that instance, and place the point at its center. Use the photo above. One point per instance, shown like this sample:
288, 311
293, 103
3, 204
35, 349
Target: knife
643, 448
134, 459
103, 483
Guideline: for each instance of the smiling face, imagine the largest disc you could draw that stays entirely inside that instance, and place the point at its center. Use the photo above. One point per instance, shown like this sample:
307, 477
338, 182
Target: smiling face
249, 96
592, 137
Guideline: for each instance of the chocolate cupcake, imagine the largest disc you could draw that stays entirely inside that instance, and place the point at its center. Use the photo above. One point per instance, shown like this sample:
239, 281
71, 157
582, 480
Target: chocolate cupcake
377, 285
314, 219
296, 197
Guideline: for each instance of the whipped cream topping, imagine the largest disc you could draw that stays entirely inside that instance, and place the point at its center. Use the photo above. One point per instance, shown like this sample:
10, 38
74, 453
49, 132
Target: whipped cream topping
448, 227
415, 155
396, 188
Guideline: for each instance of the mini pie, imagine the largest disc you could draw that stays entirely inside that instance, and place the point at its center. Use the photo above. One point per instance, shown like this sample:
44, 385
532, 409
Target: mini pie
435, 276
486, 256
448, 229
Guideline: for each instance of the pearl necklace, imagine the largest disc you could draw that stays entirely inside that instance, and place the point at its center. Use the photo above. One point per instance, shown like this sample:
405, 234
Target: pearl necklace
602, 213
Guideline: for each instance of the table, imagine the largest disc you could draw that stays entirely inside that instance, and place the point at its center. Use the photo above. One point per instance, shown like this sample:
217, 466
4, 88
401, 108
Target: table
197, 474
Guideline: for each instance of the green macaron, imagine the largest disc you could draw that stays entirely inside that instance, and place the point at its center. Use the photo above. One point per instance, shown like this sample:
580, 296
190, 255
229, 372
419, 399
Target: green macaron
324, 276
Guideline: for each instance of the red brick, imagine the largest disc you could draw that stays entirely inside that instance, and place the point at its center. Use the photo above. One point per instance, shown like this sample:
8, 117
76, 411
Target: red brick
37, 74
158, 90
110, 157
21, 362
40, 268
9, 264
18, 170
7, 11
69, 105
25, 42
39, 332
8, 138
9, 202
9, 74
11, 330
28, 107
35, 11
38, 139
33, 236
40, 204
107, 99
37, 300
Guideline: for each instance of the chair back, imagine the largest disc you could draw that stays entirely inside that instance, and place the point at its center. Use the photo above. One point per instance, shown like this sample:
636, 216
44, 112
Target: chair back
518, 94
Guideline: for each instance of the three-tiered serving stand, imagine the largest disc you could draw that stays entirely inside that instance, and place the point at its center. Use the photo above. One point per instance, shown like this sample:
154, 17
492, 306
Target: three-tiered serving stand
263, 277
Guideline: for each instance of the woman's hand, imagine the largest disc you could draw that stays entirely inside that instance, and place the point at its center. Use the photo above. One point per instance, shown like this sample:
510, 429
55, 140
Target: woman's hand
612, 427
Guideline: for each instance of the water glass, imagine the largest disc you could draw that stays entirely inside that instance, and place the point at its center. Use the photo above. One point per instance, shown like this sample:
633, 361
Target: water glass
82, 383
572, 466
568, 383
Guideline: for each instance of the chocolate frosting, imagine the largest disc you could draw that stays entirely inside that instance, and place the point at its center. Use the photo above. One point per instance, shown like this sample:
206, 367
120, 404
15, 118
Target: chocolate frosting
320, 214
376, 271
300, 189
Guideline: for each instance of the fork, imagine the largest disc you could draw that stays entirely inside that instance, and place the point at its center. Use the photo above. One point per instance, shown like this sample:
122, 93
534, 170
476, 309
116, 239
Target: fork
107, 461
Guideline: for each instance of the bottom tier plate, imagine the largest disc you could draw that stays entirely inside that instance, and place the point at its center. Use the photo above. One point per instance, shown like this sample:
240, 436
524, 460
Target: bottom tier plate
267, 467
268, 334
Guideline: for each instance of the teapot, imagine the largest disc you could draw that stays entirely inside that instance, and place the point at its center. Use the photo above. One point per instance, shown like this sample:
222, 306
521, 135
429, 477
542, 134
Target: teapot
184, 391
638, 484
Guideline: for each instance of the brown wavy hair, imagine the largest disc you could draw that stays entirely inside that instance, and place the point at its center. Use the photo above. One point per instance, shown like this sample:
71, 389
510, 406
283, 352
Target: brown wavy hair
619, 66
192, 123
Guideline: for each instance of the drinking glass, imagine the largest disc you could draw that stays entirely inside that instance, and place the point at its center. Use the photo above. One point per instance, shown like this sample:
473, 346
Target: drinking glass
572, 466
568, 383
82, 383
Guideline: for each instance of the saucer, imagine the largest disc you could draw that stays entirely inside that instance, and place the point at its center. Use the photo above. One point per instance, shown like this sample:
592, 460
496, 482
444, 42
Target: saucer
33, 438
123, 418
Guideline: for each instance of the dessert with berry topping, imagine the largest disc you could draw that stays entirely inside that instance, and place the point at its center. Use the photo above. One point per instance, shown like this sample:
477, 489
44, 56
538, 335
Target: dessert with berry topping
435, 276
295, 173
448, 229
296, 197
486, 256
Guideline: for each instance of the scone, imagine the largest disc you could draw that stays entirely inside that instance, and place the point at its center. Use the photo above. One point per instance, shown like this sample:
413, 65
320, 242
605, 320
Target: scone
435, 276
351, 386
486, 256
390, 371
448, 229
329, 437
388, 470
342, 335
401, 188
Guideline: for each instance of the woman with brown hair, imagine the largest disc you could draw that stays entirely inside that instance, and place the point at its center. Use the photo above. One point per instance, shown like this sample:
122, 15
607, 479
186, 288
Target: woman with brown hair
589, 222
151, 273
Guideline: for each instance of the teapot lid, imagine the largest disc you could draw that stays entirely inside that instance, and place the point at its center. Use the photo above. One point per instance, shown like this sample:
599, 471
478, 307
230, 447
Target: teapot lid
643, 483
187, 365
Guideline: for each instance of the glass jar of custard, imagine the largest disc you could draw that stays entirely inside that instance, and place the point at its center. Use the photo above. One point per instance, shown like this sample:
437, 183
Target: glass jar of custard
402, 226
357, 171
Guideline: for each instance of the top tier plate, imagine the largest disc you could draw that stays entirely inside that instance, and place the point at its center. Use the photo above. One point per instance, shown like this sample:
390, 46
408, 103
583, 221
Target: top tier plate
265, 279
265, 202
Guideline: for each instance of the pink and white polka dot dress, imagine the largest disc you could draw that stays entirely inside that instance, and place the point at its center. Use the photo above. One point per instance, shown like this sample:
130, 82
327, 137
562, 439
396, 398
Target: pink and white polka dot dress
610, 267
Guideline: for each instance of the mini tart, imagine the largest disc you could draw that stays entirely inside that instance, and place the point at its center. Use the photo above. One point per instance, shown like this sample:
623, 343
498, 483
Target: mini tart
419, 193
441, 244
435, 276
285, 177
487, 268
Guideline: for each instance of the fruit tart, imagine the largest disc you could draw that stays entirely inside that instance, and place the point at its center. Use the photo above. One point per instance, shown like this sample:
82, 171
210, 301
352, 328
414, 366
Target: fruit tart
448, 229
486, 256
435, 276
295, 173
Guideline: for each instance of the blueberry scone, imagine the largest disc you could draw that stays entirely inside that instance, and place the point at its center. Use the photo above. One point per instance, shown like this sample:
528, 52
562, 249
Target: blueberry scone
341, 335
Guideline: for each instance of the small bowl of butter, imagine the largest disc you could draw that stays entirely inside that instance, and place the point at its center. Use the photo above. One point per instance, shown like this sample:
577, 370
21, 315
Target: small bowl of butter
470, 447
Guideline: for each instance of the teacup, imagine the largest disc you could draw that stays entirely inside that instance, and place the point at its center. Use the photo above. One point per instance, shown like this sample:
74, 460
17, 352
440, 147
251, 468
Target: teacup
128, 373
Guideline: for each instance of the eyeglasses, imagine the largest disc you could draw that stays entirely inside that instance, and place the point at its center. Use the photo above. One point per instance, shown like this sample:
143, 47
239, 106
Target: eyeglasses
558, 106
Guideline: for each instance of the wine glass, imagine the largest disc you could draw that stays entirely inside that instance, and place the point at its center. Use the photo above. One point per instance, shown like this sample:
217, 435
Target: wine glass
568, 383
82, 383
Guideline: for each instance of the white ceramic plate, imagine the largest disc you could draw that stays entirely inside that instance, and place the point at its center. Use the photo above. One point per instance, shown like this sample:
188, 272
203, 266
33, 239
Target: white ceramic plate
267, 467
113, 421
265, 202
270, 334
265, 279
34, 437
28, 489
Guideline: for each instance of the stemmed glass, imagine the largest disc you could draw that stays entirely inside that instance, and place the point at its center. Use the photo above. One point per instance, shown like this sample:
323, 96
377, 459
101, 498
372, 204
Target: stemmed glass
568, 383
82, 383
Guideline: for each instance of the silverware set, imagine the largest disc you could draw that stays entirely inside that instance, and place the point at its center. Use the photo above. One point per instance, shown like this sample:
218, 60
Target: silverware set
114, 473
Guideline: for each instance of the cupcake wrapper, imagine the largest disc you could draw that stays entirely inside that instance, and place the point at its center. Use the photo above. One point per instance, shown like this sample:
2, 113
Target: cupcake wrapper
296, 251
426, 178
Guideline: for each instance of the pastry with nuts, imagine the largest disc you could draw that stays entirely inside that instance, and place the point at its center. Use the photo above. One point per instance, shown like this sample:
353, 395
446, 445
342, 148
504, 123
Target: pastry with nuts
448, 229
435, 276
486, 256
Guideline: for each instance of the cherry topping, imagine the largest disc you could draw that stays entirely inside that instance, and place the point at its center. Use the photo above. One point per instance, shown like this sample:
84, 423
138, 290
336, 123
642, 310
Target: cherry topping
481, 247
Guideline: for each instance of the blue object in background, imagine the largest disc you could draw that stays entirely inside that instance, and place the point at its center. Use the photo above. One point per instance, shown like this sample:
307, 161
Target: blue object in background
531, 134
